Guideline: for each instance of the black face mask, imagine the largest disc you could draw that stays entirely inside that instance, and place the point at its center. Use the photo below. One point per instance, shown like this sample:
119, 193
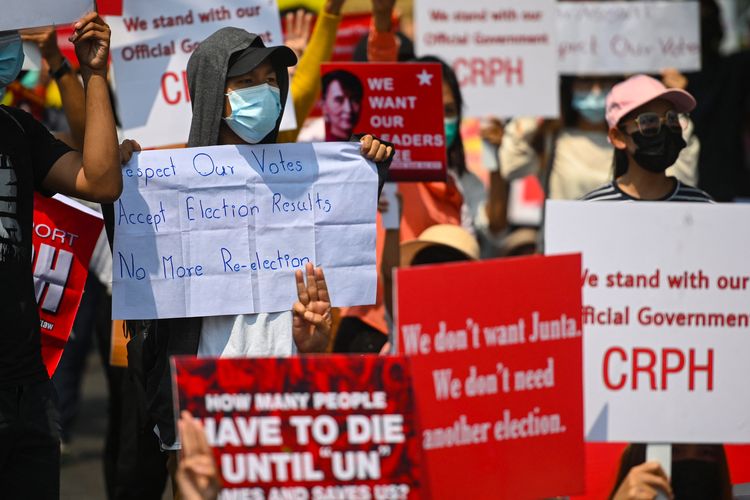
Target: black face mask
658, 153
696, 480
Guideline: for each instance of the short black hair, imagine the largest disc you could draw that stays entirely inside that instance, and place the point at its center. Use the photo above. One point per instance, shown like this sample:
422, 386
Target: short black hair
438, 254
348, 81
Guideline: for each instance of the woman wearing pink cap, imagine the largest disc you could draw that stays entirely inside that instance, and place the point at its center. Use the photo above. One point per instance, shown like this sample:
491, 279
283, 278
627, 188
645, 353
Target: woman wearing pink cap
644, 119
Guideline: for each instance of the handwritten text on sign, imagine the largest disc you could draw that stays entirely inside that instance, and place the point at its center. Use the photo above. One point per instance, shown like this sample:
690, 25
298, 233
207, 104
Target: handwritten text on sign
667, 323
503, 52
221, 230
600, 38
152, 43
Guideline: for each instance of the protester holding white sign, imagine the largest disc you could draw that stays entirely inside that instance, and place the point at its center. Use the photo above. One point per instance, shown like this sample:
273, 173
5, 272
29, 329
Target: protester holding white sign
238, 88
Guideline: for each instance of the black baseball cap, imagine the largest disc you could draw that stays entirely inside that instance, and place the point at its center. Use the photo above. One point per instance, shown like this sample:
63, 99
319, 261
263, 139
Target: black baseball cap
243, 62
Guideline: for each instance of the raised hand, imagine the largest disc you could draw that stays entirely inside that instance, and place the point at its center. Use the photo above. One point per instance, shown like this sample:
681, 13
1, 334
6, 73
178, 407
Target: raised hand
298, 28
643, 482
311, 325
197, 476
91, 38
46, 40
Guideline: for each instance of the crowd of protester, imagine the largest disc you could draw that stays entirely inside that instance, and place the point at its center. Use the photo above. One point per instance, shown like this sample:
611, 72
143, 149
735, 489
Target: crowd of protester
666, 137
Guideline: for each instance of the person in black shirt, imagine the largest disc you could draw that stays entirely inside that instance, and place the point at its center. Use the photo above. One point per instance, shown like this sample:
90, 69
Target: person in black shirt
645, 128
32, 160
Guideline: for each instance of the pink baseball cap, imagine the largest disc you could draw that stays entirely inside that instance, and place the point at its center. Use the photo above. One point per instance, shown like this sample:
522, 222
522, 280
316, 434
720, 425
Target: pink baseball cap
637, 91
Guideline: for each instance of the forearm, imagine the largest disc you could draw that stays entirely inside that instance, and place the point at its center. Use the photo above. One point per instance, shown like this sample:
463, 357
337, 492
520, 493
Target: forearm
73, 100
74, 105
497, 203
101, 155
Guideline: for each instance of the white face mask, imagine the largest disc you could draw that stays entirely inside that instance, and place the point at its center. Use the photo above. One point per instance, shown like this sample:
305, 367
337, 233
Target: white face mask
255, 111
11, 58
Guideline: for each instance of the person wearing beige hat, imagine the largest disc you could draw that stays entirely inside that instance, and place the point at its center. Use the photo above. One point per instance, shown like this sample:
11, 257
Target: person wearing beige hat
645, 127
438, 244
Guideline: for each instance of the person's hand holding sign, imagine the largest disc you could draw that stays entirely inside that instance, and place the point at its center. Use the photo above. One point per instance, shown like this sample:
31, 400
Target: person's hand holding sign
311, 326
91, 38
373, 150
644, 481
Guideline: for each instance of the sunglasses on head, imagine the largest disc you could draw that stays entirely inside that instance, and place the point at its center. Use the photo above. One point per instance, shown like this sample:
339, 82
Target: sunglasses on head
649, 124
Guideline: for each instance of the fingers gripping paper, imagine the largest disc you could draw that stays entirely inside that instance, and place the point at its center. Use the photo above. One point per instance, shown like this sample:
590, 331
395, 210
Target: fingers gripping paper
221, 230
32, 13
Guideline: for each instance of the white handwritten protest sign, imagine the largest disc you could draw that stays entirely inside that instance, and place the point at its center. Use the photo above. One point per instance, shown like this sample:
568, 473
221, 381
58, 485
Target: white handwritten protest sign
603, 38
221, 230
666, 293
503, 52
19, 14
151, 45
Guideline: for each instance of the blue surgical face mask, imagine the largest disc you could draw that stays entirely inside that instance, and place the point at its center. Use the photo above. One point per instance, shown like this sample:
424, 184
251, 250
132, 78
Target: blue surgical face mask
590, 104
11, 58
255, 111
451, 131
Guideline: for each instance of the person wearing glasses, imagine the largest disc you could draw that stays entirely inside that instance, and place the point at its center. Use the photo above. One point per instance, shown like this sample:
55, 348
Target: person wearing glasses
645, 121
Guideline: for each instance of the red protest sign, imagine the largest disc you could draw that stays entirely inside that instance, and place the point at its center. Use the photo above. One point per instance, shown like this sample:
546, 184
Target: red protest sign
400, 103
306, 427
497, 375
64, 238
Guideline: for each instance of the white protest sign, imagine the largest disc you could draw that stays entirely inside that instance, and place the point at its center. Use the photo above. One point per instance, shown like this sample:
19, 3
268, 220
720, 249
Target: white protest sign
19, 14
221, 230
503, 52
151, 45
615, 38
666, 293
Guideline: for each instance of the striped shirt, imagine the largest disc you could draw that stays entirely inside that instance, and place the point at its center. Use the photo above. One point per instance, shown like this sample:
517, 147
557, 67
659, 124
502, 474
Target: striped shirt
681, 192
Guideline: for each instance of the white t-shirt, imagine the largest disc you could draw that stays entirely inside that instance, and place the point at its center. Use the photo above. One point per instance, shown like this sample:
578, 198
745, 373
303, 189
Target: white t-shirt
247, 336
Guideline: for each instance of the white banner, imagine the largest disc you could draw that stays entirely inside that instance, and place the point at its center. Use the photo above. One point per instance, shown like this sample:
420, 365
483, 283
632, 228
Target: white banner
666, 293
503, 52
151, 45
616, 38
19, 14
221, 230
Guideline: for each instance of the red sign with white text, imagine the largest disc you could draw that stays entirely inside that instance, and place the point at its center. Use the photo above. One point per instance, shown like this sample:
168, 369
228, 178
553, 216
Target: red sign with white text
306, 427
399, 103
64, 239
495, 354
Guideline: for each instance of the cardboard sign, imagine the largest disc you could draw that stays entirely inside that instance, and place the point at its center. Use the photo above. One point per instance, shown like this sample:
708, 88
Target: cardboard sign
666, 289
151, 45
504, 53
64, 237
399, 103
616, 38
222, 230
315, 427
19, 14
497, 375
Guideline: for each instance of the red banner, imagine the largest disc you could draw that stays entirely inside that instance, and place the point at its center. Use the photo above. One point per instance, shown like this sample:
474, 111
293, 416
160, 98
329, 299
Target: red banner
306, 427
400, 103
64, 238
496, 360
